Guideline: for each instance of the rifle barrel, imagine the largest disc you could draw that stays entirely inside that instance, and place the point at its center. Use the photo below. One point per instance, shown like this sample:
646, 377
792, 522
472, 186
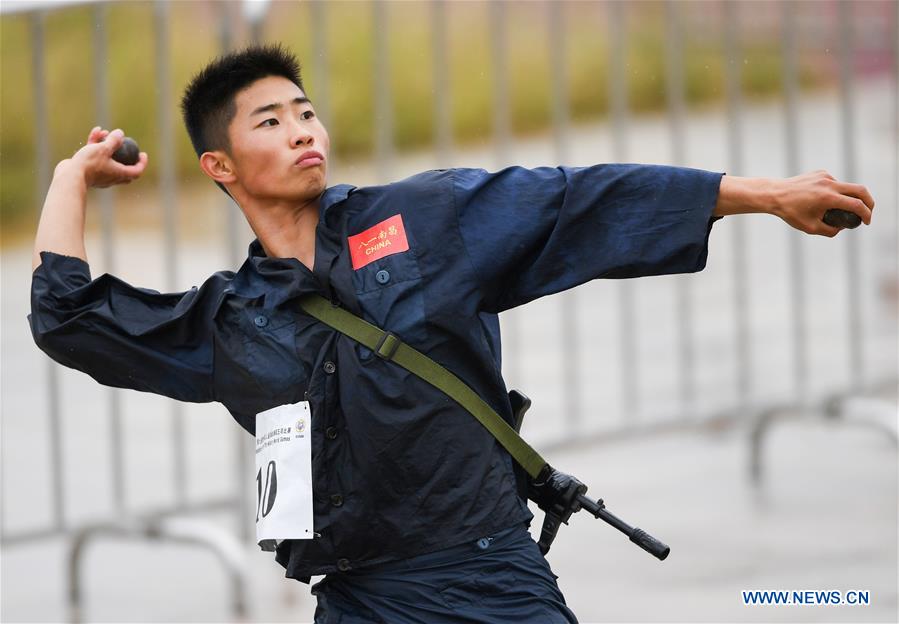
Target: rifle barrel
638, 536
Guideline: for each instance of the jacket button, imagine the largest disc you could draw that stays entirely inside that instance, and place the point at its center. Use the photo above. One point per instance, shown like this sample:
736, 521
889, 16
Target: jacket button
382, 276
343, 565
261, 321
336, 500
329, 367
331, 432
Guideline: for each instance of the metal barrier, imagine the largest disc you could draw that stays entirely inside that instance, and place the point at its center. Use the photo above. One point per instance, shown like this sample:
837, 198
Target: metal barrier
230, 552
834, 405
515, 326
162, 524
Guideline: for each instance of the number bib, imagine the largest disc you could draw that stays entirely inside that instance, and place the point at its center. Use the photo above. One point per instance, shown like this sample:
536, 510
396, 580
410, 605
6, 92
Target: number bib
283, 475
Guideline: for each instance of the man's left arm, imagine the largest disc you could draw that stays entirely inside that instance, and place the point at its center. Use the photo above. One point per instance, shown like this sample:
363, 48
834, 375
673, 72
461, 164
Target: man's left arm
529, 233
534, 232
801, 201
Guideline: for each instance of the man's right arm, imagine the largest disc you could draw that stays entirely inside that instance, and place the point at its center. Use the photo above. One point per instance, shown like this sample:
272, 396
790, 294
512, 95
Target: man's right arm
120, 335
61, 227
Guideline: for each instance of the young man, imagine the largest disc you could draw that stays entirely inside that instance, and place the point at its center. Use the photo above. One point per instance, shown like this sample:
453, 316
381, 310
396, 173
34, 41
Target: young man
416, 513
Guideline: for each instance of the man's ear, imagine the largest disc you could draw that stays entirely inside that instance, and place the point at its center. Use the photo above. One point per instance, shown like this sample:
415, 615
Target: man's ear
218, 166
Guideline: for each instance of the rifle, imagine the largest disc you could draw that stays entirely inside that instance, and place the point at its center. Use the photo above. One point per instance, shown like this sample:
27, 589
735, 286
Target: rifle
559, 495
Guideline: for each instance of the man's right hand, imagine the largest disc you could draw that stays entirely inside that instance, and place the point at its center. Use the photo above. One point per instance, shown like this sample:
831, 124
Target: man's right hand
61, 227
95, 162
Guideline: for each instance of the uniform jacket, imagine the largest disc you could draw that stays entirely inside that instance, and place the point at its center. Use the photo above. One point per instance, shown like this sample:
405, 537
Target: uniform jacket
399, 469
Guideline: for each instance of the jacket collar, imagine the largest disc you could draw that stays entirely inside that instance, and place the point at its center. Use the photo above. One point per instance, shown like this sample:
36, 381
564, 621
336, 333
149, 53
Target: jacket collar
331, 196
283, 278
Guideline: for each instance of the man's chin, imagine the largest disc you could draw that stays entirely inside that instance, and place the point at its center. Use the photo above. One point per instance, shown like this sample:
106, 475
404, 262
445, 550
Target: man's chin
316, 189
308, 188
317, 181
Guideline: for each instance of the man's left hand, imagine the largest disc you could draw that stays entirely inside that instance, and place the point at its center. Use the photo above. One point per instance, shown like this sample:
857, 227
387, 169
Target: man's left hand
802, 201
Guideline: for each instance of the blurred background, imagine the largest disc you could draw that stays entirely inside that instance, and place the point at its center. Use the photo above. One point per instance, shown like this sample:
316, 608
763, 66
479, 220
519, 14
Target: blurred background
745, 415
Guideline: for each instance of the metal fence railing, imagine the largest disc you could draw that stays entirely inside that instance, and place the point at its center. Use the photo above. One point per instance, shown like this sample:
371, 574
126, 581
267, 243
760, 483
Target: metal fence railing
572, 385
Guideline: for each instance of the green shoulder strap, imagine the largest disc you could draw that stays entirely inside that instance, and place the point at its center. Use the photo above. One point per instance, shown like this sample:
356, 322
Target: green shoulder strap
389, 347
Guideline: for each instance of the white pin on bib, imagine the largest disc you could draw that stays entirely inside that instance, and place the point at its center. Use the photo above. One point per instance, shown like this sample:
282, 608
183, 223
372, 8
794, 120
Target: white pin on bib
283, 474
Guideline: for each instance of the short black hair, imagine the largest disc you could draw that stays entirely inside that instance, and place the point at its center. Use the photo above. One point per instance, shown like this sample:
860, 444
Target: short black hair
209, 103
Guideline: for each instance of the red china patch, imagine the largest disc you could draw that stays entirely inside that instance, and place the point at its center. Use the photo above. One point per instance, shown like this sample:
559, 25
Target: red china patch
386, 238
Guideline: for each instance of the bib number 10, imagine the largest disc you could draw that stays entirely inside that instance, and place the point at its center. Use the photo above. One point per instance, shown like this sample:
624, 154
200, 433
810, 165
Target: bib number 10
266, 490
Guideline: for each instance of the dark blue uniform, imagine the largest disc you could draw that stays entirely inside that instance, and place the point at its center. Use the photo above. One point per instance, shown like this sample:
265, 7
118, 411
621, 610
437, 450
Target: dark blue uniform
399, 469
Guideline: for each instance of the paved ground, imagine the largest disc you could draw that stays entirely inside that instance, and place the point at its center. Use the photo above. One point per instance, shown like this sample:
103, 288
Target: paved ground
825, 519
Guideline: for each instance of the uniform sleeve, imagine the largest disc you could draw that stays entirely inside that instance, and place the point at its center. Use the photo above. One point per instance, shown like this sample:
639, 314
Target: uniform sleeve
534, 232
124, 336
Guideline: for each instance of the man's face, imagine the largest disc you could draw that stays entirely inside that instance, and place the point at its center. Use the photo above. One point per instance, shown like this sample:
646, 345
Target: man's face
265, 144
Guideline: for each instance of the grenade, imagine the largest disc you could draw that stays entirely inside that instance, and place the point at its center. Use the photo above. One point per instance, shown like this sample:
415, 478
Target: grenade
841, 218
128, 152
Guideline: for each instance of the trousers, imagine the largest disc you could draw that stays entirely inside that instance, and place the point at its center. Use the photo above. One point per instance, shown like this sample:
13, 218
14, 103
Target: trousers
498, 578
